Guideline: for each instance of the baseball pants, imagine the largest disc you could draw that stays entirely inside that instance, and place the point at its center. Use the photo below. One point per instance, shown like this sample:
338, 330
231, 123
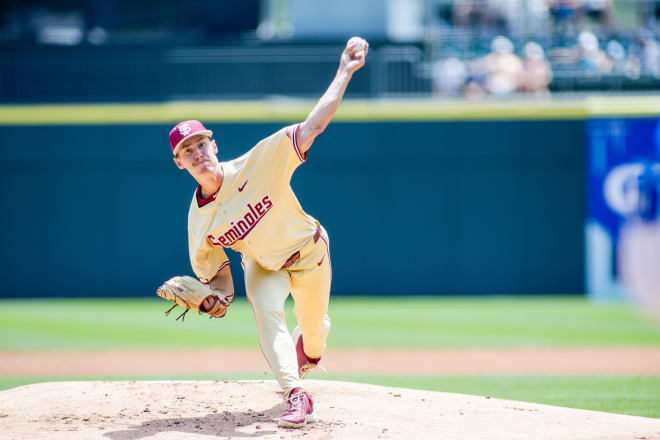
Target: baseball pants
308, 281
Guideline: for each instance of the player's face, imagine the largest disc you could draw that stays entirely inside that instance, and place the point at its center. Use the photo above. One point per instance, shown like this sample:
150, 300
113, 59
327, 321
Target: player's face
198, 156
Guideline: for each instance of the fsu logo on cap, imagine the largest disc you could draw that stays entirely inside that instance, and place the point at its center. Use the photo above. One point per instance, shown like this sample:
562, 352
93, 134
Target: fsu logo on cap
184, 129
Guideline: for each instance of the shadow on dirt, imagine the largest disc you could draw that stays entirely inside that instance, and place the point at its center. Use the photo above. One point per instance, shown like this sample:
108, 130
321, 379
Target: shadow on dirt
220, 424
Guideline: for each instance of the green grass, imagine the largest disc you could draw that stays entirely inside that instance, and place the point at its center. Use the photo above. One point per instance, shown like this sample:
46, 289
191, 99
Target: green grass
371, 323
356, 322
638, 396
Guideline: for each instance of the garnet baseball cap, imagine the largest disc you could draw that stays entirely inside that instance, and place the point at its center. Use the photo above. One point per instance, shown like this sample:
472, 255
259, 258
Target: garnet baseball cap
185, 130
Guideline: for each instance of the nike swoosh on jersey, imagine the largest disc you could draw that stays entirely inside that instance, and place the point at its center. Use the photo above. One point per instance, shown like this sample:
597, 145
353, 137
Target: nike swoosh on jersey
240, 188
319, 263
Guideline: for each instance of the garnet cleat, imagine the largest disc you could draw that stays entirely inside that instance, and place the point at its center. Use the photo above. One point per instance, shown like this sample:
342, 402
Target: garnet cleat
301, 410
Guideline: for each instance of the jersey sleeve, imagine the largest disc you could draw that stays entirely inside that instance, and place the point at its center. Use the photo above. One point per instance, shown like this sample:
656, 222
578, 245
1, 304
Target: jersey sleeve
279, 153
206, 259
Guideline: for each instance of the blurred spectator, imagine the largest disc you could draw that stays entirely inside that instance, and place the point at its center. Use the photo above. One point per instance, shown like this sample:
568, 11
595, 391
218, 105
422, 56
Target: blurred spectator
499, 73
599, 11
646, 52
504, 70
471, 13
564, 13
506, 12
650, 56
535, 18
475, 84
632, 68
449, 76
538, 73
617, 53
492, 17
482, 16
593, 60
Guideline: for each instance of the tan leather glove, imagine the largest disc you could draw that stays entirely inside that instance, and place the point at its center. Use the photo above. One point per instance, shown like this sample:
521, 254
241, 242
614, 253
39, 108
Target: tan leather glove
191, 293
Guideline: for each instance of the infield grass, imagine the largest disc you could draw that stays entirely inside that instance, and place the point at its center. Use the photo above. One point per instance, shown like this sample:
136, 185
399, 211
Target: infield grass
356, 322
90, 324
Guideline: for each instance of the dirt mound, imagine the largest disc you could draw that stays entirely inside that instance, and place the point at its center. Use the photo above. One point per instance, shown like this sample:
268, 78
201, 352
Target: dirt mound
230, 409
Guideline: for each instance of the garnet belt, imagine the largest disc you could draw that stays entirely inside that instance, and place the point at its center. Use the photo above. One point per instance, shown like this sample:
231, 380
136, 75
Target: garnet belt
295, 257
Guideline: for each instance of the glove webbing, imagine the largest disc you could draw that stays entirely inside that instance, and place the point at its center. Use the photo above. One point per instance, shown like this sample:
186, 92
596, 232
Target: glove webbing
183, 315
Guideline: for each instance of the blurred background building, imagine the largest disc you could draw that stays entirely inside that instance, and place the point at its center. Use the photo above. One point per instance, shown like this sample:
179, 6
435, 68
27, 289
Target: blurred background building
120, 50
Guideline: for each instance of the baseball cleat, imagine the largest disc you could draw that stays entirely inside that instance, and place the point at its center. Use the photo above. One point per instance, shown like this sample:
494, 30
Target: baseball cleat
305, 363
301, 410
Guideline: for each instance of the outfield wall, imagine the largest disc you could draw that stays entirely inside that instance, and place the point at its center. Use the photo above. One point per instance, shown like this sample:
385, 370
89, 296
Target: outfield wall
422, 199
415, 207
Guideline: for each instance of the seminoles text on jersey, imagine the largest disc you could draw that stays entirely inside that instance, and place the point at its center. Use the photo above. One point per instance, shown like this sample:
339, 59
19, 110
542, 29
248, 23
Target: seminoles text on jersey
241, 228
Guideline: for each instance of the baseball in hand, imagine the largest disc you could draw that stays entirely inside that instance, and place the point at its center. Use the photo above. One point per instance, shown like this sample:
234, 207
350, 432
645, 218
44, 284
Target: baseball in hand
360, 45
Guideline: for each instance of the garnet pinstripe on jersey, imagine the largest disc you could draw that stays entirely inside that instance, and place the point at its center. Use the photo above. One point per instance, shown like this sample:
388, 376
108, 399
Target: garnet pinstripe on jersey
255, 211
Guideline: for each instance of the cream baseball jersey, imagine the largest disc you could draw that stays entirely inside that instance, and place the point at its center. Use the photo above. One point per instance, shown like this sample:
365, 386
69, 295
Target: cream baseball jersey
255, 211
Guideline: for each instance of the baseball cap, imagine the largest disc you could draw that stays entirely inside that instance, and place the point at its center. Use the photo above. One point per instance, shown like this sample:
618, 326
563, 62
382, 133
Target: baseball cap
185, 130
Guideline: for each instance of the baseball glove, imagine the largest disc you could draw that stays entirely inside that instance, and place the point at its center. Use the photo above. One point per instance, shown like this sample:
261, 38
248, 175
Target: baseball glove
190, 293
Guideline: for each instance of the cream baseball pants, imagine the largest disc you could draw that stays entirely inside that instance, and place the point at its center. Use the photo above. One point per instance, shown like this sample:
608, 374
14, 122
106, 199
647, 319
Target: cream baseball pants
308, 281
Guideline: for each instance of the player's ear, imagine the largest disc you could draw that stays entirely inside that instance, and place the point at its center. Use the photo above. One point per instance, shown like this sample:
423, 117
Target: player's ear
215, 147
177, 162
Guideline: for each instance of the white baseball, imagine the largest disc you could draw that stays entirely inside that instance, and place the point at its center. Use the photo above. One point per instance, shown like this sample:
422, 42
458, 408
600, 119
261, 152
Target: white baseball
360, 45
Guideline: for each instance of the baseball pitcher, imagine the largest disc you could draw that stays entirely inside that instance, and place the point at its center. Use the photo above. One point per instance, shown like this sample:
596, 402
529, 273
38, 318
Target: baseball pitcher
247, 204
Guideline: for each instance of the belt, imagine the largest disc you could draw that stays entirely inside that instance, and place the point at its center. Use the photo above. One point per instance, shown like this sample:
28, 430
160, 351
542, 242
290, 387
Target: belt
295, 257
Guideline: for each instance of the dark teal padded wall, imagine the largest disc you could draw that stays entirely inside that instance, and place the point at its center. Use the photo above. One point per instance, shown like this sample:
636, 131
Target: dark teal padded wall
411, 207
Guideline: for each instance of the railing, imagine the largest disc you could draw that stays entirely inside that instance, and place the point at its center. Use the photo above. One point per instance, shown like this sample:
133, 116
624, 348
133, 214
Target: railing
401, 71
112, 74
139, 74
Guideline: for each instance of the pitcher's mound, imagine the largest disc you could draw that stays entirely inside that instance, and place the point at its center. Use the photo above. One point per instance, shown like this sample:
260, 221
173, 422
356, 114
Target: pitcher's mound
228, 409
